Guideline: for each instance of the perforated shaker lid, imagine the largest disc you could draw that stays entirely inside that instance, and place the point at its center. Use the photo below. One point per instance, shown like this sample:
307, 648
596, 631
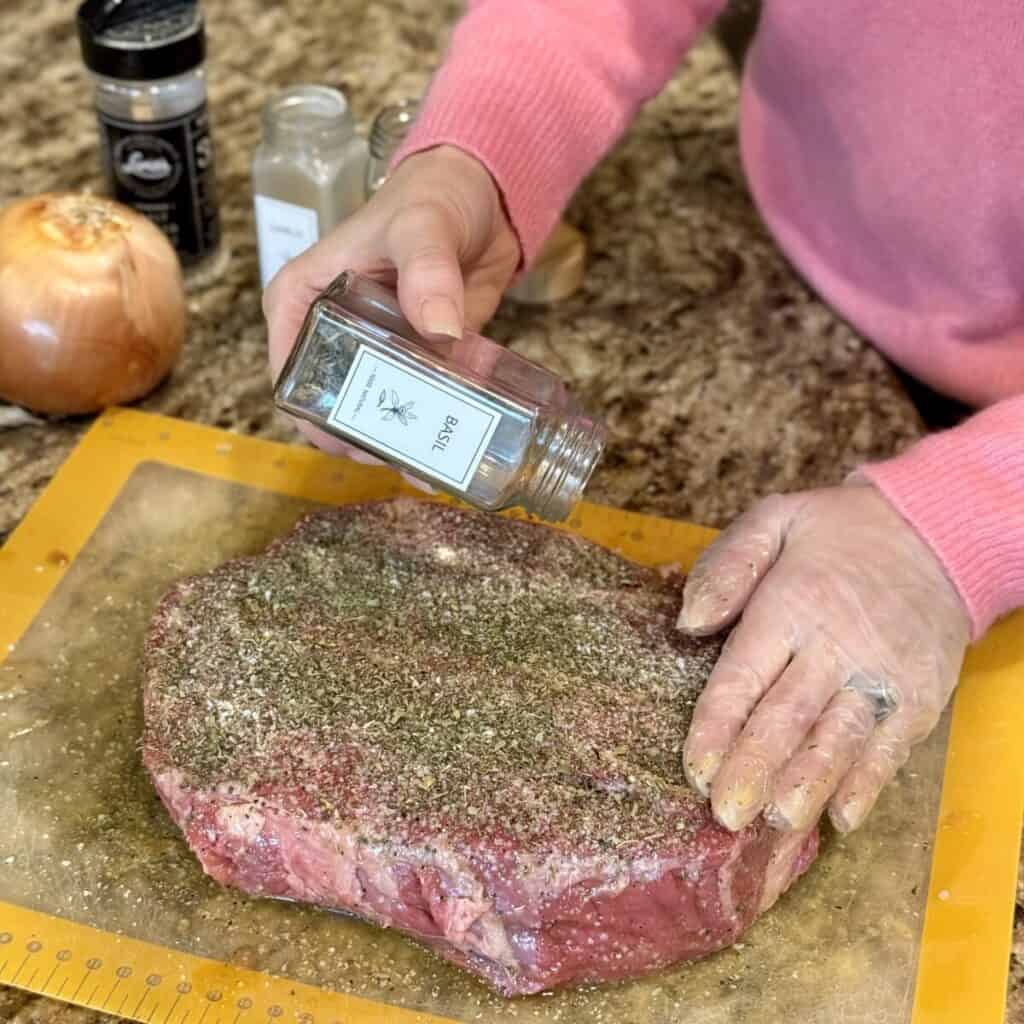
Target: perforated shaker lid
141, 40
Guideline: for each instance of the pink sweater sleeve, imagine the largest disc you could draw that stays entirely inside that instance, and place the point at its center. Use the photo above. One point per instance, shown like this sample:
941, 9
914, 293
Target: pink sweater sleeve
963, 490
539, 90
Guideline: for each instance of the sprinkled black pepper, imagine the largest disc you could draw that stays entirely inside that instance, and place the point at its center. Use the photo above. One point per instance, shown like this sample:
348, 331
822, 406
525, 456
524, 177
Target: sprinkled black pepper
432, 671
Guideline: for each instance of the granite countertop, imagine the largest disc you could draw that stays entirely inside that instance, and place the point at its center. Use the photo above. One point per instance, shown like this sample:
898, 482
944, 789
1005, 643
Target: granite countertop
721, 376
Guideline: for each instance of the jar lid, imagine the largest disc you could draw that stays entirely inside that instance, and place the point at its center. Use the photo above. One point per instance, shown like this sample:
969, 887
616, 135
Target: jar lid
390, 128
309, 114
141, 40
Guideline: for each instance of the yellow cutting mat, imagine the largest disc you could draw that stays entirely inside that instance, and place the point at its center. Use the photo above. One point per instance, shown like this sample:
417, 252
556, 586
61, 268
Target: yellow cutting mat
965, 938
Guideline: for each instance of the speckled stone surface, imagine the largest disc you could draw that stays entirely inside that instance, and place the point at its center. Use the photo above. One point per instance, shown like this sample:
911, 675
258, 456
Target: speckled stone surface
721, 376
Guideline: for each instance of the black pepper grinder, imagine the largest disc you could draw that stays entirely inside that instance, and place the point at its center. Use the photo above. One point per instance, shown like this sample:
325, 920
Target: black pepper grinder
146, 60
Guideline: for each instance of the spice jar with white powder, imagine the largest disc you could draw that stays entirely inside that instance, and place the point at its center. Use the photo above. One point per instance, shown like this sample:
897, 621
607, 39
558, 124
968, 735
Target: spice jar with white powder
307, 173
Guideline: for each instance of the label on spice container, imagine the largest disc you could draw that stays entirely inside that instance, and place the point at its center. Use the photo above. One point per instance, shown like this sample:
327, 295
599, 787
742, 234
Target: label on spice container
411, 416
164, 169
283, 231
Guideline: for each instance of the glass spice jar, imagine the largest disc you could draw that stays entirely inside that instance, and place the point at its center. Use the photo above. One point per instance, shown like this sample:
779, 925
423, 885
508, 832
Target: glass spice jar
147, 63
307, 172
387, 134
465, 415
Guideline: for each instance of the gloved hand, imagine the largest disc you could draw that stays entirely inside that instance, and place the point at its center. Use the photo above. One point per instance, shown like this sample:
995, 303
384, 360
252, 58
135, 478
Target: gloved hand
438, 227
850, 644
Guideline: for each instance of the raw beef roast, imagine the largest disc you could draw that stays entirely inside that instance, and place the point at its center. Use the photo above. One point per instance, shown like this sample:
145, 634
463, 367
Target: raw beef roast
461, 726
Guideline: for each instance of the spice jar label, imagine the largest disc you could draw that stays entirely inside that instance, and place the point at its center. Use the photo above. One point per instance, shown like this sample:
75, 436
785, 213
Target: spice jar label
164, 170
283, 231
409, 415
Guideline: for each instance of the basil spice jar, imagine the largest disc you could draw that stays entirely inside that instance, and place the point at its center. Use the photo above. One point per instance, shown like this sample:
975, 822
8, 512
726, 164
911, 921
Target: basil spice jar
146, 61
465, 415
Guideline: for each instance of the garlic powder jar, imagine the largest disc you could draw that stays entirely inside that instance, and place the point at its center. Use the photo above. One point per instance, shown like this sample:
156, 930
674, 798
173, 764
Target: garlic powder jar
307, 173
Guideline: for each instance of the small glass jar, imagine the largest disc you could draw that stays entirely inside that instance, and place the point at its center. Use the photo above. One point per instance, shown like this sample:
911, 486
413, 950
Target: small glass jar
558, 271
465, 415
150, 95
307, 173
387, 134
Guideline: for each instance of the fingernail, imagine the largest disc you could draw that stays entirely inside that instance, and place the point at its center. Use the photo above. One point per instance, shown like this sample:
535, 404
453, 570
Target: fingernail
743, 795
685, 620
838, 820
776, 819
440, 316
789, 813
738, 807
848, 816
703, 774
701, 611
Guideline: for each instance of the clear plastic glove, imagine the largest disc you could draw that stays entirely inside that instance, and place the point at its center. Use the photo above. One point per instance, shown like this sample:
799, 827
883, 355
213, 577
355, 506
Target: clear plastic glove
849, 646
437, 229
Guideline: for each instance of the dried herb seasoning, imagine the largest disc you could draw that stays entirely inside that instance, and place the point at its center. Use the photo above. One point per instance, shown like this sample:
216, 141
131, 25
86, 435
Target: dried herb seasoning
440, 667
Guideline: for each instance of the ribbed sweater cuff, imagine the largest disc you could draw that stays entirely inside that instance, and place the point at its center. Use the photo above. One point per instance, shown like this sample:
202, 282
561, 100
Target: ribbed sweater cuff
522, 135
538, 97
963, 491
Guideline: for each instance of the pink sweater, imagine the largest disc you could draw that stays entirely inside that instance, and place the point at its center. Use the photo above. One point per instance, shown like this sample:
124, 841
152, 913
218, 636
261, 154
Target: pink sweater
883, 143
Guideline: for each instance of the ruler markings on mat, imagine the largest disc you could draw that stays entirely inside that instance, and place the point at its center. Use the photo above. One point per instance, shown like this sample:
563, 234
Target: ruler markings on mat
129, 978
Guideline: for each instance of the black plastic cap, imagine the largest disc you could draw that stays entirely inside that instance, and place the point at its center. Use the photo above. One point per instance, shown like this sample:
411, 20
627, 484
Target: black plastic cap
141, 40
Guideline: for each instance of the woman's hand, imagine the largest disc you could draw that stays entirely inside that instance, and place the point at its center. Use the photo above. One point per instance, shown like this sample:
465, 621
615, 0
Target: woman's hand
849, 646
437, 228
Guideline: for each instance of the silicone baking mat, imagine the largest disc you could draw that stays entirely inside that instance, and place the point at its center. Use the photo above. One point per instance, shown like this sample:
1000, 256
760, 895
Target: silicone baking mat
102, 904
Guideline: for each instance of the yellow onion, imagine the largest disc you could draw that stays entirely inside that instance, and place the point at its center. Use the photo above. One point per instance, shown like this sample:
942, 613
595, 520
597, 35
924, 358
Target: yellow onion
92, 304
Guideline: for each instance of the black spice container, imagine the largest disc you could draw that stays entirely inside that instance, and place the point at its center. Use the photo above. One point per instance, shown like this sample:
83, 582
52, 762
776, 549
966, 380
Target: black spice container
146, 59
